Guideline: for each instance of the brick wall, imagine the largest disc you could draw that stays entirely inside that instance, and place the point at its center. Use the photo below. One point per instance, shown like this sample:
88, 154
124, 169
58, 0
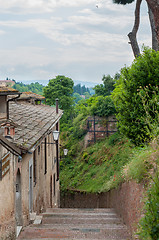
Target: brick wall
99, 128
127, 200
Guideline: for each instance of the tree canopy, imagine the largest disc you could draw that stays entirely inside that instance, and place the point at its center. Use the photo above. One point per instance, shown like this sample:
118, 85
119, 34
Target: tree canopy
101, 106
124, 2
136, 97
80, 89
61, 87
33, 87
107, 87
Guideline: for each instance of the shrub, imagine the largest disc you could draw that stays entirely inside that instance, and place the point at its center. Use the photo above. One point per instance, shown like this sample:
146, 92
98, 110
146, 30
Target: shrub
113, 139
149, 224
134, 97
104, 107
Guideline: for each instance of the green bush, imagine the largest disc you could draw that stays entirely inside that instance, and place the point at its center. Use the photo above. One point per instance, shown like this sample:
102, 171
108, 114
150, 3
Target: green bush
113, 139
140, 164
104, 107
149, 224
134, 97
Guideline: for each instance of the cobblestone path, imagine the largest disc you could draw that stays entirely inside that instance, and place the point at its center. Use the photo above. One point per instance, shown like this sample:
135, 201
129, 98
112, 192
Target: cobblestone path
77, 224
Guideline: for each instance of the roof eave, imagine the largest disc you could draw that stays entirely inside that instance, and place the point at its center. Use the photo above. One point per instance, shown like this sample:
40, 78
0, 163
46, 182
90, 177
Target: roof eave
10, 146
8, 93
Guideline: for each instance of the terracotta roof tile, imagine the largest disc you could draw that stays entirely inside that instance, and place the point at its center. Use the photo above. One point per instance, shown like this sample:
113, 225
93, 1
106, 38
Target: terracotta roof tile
7, 90
29, 95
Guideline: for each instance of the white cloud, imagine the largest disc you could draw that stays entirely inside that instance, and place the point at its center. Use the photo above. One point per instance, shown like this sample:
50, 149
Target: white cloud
55, 31
23, 5
54, 28
41, 6
88, 52
145, 40
2, 32
30, 56
110, 6
97, 19
77, 34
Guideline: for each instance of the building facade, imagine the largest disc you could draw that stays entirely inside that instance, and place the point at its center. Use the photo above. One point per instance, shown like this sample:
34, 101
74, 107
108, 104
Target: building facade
29, 161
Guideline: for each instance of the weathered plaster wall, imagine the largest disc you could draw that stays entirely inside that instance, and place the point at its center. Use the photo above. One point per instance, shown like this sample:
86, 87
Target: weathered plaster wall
7, 213
45, 190
43, 186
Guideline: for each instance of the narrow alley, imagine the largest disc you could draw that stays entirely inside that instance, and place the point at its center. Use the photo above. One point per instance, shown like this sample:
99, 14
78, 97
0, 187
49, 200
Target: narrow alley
77, 224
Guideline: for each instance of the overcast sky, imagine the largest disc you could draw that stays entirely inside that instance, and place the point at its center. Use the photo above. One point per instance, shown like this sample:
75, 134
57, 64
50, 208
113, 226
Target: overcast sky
40, 39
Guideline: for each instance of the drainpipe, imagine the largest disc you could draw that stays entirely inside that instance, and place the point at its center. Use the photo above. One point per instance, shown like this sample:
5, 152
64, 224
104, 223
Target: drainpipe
12, 99
57, 148
57, 105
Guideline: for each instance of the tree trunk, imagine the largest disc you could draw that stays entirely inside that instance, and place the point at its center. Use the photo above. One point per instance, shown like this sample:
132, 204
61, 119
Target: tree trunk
132, 35
155, 44
154, 6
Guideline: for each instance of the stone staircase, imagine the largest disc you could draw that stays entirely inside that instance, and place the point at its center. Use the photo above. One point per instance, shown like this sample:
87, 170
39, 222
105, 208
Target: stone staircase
78, 224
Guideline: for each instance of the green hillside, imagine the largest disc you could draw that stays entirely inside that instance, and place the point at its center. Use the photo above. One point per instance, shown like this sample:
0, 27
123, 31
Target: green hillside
104, 165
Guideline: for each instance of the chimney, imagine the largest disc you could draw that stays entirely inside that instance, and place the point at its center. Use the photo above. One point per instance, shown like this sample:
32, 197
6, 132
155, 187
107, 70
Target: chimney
8, 129
4, 102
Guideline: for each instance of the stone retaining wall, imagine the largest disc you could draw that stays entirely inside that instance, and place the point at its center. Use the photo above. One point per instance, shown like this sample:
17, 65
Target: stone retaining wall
127, 200
99, 128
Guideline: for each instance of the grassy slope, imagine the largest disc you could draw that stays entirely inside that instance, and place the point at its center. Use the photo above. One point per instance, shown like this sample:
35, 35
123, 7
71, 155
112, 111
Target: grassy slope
107, 163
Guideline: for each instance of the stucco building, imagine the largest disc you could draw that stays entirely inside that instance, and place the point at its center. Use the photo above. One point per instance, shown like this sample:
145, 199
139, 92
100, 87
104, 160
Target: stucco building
29, 160
7, 83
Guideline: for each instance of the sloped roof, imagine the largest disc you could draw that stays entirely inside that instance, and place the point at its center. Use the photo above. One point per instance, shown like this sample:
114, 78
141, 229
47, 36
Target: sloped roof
6, 81
29, 95
33, 122
8, 91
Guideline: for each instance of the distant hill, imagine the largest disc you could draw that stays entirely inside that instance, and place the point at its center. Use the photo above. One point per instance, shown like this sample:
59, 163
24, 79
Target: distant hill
45, 82
36, 86
87, 84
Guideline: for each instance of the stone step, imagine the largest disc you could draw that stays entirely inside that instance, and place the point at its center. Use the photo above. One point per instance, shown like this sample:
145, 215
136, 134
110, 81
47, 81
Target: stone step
76, 233
77, 224
82, 210
82, 217
84, 220
88, 215
74, 226
73, 238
